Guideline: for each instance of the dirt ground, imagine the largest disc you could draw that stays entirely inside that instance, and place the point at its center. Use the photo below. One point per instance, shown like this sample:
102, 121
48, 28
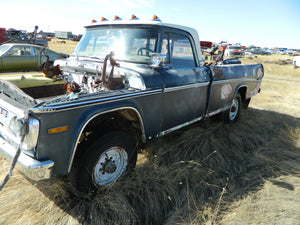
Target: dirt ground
208, 173
278, 200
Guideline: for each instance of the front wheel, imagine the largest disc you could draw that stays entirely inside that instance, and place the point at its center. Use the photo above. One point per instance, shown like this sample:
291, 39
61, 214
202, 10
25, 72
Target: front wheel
233, 114
103, 162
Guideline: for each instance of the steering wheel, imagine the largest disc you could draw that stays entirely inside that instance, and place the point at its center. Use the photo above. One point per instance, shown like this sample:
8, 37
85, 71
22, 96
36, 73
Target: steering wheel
140, 51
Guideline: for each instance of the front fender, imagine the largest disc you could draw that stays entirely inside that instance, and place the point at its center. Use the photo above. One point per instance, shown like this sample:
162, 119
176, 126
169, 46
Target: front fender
90, 113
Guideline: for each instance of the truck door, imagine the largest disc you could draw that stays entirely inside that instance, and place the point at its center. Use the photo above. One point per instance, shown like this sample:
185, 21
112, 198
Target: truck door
185, 82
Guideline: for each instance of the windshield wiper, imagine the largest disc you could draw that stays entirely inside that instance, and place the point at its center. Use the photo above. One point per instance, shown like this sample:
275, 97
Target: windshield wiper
95, 57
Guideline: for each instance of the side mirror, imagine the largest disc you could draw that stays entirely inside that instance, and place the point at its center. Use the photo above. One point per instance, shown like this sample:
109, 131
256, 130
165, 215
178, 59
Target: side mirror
157, 60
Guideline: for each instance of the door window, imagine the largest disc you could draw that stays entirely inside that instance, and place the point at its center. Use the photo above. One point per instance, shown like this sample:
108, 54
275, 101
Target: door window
20, 51
178, 50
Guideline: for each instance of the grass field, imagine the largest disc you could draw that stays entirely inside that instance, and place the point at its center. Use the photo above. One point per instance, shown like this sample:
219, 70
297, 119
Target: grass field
208, 173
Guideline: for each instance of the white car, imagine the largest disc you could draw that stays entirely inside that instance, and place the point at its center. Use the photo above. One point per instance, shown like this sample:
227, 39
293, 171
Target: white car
296, 61
234, 51
248, 53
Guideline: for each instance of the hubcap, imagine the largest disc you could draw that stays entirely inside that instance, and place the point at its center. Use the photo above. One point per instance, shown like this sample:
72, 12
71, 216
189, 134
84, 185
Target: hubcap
110, 166
234, 109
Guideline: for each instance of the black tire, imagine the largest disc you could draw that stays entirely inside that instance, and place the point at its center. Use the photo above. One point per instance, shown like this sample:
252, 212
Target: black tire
246, 103
233, 114
103, 162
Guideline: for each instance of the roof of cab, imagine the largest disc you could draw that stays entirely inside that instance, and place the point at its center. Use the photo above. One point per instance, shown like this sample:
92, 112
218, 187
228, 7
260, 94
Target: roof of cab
154, 21
136, 21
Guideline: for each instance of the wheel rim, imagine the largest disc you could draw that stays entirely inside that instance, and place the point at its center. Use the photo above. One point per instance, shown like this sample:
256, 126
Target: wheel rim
110, 166
234, 109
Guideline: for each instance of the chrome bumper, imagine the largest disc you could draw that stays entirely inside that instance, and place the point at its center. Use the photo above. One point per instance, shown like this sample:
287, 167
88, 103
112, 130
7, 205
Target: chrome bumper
32, 168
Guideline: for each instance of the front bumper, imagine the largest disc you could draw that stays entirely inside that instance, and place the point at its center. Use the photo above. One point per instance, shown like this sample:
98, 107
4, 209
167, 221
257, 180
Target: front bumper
31, 168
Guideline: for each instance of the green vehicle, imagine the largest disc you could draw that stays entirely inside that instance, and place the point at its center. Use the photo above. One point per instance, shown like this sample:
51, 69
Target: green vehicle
17, 57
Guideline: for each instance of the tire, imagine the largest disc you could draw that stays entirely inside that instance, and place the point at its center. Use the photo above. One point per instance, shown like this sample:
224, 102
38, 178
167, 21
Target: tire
103, 162
233, 114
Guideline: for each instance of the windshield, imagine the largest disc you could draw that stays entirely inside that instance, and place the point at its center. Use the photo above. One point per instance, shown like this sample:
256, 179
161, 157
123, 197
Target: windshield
3, 48
128, 44
235, 47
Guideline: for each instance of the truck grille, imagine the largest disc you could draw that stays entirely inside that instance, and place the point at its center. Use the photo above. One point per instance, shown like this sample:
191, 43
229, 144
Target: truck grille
3, 112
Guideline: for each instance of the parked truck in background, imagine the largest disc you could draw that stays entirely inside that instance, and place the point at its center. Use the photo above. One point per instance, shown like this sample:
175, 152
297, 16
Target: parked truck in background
127, 83
64, 35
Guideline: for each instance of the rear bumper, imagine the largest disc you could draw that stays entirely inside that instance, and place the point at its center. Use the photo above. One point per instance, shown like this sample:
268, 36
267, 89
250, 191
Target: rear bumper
32, 168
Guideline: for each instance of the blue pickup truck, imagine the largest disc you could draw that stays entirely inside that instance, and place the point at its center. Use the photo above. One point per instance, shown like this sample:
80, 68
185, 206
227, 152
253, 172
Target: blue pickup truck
127, 83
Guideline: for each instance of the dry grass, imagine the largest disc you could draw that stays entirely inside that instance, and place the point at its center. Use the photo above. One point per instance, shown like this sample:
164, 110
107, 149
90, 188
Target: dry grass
208, 173
67, 47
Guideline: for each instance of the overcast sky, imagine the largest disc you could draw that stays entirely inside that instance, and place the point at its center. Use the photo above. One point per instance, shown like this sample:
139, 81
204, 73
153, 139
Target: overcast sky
265, 23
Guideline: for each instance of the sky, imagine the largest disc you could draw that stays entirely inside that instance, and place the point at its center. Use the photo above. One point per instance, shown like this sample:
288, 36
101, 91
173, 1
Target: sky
264, 23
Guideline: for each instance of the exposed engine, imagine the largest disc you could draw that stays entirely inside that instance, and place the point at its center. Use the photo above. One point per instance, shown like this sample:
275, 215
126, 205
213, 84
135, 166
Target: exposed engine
108, 77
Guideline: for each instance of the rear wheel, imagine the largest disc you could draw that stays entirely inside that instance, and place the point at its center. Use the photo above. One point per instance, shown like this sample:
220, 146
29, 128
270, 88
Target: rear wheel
103, 162
233, 114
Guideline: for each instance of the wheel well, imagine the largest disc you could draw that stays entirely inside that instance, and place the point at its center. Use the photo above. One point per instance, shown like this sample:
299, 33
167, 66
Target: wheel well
245, 102
127, 120
242, 92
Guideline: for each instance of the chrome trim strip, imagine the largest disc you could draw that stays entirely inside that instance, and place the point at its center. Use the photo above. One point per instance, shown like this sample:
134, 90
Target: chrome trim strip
234, 80
180, 126
183, 87
217, 111
98, 114
31, 168
192, 121
70, 104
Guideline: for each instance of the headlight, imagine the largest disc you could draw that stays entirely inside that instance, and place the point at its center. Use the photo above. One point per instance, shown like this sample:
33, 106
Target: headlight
31, 137
17, 126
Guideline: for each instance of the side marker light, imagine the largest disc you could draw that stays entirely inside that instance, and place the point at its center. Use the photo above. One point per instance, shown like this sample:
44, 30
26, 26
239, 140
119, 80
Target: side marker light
58, 129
